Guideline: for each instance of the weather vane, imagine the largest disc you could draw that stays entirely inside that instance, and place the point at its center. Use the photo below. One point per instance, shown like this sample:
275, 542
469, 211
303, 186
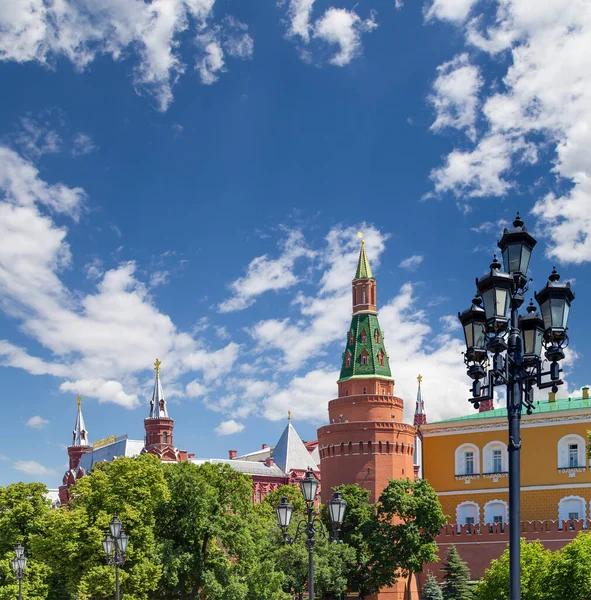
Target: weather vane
419, 379
157, 364
79, 401
360, 236
289, 415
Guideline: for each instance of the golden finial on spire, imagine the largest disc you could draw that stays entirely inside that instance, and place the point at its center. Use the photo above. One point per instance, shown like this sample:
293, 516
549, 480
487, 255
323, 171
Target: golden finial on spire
419, 379
360, 236
157, 364
288, 416
79, 401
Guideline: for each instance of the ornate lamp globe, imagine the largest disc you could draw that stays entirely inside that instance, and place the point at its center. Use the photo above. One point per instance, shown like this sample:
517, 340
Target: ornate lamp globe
555, 300
495, 291
336, 508
115, 526
284, 512
473, 322
123, 541
532, 332
516, 246
309, 485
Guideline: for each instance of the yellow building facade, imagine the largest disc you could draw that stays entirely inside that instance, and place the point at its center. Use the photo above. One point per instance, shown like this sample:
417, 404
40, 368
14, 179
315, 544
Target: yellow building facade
466, 461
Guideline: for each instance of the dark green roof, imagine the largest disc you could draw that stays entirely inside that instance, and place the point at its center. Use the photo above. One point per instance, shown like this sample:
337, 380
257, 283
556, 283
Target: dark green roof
363, 268
356, 347
542, 406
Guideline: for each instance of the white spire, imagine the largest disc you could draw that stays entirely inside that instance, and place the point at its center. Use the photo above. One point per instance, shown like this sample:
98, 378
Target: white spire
80, 435
158, 404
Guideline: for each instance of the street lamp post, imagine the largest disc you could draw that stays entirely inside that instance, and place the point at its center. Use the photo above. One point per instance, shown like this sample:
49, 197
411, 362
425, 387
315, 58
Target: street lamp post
115, 547
515, 346
312, 525
19, 562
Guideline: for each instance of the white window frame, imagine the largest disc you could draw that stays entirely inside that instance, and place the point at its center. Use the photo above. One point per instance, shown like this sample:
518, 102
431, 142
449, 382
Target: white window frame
565, 507
464, 507
460, 461
487, 456
563, 454
491, 511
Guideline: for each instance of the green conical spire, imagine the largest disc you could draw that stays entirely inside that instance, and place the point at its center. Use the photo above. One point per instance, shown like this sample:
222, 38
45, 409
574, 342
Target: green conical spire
363, 268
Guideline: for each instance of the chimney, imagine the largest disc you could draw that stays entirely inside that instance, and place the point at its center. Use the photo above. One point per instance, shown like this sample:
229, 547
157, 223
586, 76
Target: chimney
551, 396
232, 454
269, 461
586, 393
264, 446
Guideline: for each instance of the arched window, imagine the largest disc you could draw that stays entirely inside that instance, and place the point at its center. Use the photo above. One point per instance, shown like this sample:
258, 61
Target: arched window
363, 337
354, 296
363, 357
381, 358
571, 508
351, 338
495, 457
363, 294
571, 452
377, 336
496, 511
347, 359
373, 294
467, 513
165, 438
467, 460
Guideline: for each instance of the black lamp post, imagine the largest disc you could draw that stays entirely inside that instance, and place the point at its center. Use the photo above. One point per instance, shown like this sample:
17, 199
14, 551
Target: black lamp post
515, 343
115, 547
313, 525
19, 562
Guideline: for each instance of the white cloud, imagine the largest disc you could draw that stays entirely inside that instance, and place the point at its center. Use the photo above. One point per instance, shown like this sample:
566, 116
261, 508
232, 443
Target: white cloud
32, 467
195, 389
337, 26
159, 277
229, 427
35, 139
37, 422
412, 262
34, 30
264, 274
450, 10
398, 4
100, 342
343, 28
455, 95
82, 144
545, 103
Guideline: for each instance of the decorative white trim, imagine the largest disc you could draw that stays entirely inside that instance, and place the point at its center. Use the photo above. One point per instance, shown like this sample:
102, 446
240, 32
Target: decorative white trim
495, 476
460, 462
531, 488
487, 456
467, 478
562, 449
488, 517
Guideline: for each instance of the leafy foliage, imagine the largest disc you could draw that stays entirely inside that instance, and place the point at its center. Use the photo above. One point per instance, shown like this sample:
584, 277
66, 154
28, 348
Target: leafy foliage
456, 578
569, 575
535, 562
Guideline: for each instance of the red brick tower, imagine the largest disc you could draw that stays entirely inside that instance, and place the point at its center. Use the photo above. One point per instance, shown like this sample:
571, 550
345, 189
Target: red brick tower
159, 426
366, 441
80, 445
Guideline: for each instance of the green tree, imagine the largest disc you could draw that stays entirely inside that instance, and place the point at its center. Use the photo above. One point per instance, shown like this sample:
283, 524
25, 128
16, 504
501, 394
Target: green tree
23, 513
456, 577
71, 545
535, 562
432, 591
569, 575
408, 519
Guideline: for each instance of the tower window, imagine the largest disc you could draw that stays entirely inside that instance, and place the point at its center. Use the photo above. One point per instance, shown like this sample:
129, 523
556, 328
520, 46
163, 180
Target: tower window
363, 357
351, 338
165, 437
363, 295
347, 360
363, 337
377, 336
354, 296
381, 358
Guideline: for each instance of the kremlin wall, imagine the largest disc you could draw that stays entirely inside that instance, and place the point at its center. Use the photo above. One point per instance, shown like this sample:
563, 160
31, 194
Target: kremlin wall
366, 442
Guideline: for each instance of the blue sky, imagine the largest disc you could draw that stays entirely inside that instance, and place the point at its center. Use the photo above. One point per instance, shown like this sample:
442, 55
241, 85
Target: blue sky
185, 179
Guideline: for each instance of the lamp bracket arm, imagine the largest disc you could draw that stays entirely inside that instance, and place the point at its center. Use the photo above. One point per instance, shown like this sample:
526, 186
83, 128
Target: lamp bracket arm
549, 384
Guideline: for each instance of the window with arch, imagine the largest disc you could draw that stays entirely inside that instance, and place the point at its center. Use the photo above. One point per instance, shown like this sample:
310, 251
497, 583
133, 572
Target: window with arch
381, 358
363, 336
363, 357
467, 513
571, 452
354, 296
373, 294
495, 457
377, 336
467, 460
571, 509
496, 511
351, 338
363, 295
165, 437
347, 359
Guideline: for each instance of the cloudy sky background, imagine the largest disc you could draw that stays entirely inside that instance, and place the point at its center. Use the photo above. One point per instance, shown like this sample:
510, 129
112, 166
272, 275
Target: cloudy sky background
185, 179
